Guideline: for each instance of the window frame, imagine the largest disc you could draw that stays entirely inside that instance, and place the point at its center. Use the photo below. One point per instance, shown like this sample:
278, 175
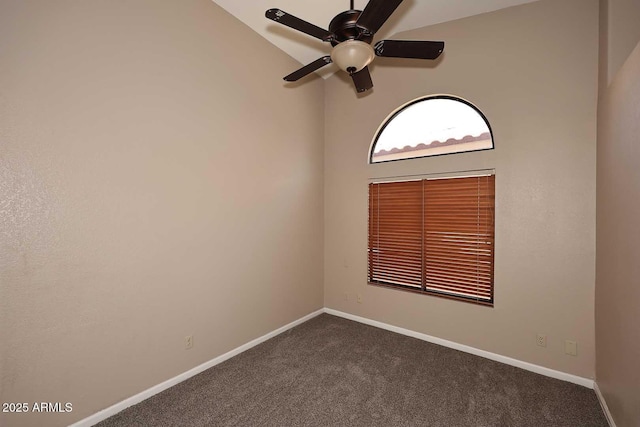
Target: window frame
403, 107
423, 289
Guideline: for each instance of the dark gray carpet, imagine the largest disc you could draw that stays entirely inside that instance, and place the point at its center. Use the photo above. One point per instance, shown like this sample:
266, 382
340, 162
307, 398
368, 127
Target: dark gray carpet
334, 372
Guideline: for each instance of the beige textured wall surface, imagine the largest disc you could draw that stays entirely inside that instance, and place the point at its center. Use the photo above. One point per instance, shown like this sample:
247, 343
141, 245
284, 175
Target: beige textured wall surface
618, 245
623, 32
533, 70
157, 180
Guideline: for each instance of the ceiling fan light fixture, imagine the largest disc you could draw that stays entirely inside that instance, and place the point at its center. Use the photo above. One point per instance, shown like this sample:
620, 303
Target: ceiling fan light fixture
352, 55
351, 33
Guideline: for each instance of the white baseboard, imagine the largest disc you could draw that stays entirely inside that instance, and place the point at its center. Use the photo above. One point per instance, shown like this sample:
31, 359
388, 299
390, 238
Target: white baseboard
121, 406
603, 404
586, 382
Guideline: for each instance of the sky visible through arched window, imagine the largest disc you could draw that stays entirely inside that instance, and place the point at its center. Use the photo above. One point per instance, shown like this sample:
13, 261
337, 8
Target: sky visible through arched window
432, 126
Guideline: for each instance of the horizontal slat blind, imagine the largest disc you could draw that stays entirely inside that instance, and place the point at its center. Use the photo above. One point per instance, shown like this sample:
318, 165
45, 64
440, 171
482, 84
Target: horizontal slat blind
395, 233
458, 236
434, 235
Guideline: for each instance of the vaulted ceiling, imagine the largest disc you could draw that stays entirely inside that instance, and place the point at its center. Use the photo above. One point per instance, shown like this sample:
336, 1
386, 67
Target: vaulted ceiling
410, 15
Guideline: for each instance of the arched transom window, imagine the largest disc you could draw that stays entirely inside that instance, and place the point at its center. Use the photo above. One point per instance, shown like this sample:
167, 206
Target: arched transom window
431, 126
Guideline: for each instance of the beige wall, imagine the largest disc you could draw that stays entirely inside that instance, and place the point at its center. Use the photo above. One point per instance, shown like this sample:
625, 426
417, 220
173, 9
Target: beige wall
620, 19
532, 70
156, 181
618, 245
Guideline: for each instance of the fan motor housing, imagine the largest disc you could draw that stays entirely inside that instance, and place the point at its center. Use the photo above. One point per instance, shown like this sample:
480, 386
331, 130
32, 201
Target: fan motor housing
344, 27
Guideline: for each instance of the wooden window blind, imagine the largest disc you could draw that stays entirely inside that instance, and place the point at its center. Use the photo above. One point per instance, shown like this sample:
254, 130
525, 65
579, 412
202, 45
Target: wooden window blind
434, 236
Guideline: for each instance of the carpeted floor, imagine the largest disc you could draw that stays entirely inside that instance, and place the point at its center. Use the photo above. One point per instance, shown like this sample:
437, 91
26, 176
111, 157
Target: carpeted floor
334, 372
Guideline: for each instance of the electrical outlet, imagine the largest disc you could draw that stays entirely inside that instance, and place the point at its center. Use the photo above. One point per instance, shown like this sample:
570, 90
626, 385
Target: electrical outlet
188, 342
541, 340
359, 298
571, 348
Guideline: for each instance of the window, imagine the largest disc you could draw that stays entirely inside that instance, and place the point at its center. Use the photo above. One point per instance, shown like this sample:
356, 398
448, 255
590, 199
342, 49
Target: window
431, 126
434, 236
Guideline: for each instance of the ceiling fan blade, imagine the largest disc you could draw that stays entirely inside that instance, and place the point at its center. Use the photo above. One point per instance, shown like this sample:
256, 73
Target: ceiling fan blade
291, 21
308, 69
376, 13
409, 49
362, 80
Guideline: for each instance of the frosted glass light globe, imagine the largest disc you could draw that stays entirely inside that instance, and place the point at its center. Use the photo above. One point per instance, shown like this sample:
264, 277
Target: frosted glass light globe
352, 55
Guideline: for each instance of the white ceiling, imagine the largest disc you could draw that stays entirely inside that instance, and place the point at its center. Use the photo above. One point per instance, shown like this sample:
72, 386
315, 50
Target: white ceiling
410, 15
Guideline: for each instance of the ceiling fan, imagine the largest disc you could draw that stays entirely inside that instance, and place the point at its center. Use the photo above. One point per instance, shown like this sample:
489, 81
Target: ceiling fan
351, 33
